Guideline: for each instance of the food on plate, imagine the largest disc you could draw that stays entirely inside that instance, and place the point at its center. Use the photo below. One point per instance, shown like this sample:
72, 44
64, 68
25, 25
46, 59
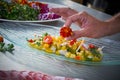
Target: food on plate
66, 32
30, 75
74, 49
25, 10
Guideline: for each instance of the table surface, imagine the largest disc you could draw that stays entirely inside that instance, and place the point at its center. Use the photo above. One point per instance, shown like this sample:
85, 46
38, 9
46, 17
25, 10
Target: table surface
100, 72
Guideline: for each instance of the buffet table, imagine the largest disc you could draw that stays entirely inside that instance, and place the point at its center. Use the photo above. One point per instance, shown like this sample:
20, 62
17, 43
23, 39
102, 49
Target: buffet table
25, 58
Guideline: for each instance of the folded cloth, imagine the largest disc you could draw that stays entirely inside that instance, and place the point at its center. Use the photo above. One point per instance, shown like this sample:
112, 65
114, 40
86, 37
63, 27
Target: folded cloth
30, 75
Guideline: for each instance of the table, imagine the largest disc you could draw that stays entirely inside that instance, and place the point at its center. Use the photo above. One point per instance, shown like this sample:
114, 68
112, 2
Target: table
86, 72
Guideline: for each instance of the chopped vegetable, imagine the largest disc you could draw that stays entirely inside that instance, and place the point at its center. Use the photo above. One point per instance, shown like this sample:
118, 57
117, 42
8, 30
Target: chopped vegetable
71, 49
30, 40
72, 41
48, 39
91, 46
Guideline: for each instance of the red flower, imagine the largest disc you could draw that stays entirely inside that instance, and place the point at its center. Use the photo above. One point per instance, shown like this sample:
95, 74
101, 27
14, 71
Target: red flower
66, 32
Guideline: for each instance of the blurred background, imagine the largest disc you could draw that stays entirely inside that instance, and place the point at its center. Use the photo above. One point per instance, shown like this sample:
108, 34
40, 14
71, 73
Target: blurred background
111, 7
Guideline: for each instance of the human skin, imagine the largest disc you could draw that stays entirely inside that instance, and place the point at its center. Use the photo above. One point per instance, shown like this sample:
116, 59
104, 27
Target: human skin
90, 26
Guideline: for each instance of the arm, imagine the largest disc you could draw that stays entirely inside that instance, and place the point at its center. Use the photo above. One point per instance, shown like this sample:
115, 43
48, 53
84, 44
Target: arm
114, 24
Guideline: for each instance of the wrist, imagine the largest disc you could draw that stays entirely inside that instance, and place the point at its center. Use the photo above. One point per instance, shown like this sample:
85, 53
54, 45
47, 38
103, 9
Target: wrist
113, 27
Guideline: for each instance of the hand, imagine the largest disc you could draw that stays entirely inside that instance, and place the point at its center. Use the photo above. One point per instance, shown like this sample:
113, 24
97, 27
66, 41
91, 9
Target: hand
64, 12
90, 26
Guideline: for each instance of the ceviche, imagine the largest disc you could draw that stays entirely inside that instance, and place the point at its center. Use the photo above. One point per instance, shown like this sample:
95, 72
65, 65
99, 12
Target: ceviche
25, 10
74, 49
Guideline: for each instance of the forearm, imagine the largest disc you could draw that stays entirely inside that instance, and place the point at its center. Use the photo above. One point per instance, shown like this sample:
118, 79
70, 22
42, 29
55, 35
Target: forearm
114, 24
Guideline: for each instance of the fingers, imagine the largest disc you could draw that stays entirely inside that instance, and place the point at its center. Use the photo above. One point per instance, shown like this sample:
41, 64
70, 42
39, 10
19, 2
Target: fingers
84, 32
80, 17
77, 34
64, 12
58, 10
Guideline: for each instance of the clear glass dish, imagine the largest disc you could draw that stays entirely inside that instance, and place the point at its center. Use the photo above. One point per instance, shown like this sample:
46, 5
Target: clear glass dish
18, 32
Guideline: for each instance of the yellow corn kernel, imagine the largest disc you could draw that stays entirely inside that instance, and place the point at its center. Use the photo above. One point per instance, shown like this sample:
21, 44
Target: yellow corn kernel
96, 59
53, 38
57, 52
72, 55
46, 46
39, 47
82, 58
74, 46
79, 53
31, 44
63, 48
58, 45
82, 48
67, 54
78, 43
49, 50
87, 52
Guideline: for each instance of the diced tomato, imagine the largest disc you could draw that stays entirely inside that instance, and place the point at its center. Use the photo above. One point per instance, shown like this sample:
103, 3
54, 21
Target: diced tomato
31, 41
72, 41
91, 46
66, 32
77, 58
48, 39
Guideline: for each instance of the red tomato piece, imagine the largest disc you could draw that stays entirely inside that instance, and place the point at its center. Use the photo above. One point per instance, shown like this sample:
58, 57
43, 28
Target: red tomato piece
91, 46
48, 39
66, 32
31, 41
77, 58
72, 41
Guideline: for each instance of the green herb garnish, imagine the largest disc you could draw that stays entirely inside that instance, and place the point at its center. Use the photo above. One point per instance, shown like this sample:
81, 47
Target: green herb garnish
6, 47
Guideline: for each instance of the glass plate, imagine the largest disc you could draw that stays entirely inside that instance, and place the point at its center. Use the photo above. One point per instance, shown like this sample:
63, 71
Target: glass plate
18, 32
50, 5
